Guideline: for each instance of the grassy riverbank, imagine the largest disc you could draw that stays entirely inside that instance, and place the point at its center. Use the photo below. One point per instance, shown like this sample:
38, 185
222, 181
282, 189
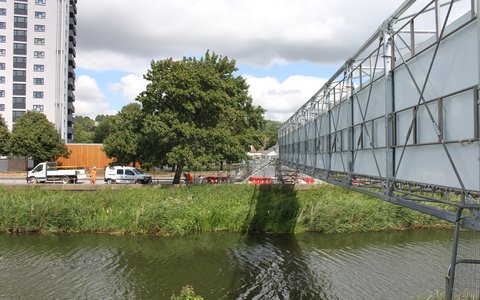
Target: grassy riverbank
178, 211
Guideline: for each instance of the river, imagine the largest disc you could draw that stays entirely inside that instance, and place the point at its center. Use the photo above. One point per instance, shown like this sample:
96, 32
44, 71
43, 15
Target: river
391, 265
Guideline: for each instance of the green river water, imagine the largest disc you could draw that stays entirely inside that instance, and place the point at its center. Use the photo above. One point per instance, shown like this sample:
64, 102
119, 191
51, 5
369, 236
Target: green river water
387, 265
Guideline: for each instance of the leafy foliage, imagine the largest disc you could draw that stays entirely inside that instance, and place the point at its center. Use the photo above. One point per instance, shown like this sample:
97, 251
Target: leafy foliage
198, 113
103, 128
34, 136
84, 129
4, 137
271, 133
123, 140
187, 293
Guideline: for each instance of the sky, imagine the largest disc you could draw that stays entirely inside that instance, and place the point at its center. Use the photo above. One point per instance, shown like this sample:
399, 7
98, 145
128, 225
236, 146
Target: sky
286, 49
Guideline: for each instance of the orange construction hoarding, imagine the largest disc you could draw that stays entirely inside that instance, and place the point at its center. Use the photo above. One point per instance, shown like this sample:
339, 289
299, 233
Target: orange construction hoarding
85, 155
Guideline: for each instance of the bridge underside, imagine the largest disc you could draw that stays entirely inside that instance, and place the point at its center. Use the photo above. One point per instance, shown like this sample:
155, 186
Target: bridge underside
400, 119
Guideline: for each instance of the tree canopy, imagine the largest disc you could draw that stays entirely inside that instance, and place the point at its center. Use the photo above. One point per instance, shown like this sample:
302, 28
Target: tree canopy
271, 133
34, 136
4, 137
103, 128
197, 112
84, 129
124, 137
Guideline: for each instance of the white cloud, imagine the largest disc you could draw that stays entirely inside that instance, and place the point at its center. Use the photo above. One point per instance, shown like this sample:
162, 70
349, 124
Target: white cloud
122, 35
126, 35
104, 60
129, 87
282, 99
89, 100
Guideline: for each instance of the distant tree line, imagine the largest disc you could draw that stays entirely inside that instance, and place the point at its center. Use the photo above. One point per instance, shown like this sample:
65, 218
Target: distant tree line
90, 131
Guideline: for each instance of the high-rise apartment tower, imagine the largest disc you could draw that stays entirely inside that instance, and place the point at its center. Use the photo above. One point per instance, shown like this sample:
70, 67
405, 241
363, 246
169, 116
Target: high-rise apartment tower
37, 60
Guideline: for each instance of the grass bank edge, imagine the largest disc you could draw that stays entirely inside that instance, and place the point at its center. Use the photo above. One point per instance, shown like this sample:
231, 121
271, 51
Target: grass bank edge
209, 208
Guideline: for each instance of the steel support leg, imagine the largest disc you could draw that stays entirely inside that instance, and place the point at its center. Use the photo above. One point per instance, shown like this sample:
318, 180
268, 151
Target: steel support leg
450, 277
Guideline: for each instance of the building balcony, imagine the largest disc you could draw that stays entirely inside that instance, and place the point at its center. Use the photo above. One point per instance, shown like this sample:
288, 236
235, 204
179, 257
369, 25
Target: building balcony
71, 96
73, 7
71, 50
71, 84
71, 71
73, 18
71, 108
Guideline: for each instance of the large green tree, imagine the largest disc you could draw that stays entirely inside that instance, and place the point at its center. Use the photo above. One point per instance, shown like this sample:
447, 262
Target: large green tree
198, 112
83, 129
124, 136
34, 136
4, 137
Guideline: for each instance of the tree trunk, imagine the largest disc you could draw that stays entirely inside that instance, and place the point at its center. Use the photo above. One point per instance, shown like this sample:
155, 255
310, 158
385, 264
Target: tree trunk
173, 168
178, 174
221, 165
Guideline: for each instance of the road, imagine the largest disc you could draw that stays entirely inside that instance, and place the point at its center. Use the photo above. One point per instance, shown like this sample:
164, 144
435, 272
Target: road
100, 181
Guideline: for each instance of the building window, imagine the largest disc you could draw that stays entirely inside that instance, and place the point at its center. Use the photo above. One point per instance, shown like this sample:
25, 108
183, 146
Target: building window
2, 66
38, 108
40, 28
38, 95
40, 15
3, 11
16, 114
2, 107
20, 8
20, 75
2, 79
39, 41
2, 93
19, 48
3, 25
19, 102
38, 81
20, 35
19, 62
40, 2
3, 52
38, 68
19, 22
39, 54
19, 89
3, 38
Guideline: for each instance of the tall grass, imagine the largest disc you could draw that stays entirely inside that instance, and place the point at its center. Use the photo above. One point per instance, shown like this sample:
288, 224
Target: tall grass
179, 211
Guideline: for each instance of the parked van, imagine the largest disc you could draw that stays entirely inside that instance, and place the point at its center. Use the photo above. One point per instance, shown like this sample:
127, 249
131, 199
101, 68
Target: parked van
120, 174
51, 172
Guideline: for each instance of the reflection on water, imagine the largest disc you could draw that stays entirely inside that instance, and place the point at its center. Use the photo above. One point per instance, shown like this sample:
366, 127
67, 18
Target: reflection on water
274, 267
394, 265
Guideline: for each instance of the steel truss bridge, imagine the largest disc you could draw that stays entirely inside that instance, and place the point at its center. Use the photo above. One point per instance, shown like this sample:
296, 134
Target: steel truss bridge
400, 119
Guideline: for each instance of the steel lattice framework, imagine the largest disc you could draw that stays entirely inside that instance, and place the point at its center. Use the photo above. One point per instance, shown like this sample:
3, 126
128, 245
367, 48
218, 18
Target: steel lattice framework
400, 119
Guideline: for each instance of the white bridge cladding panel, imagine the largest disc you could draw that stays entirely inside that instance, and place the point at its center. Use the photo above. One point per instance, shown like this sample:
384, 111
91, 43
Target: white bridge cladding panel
457, 68
376, 105
403, 109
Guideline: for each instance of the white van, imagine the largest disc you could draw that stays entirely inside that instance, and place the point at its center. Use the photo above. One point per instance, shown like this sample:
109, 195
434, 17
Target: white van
120, 174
